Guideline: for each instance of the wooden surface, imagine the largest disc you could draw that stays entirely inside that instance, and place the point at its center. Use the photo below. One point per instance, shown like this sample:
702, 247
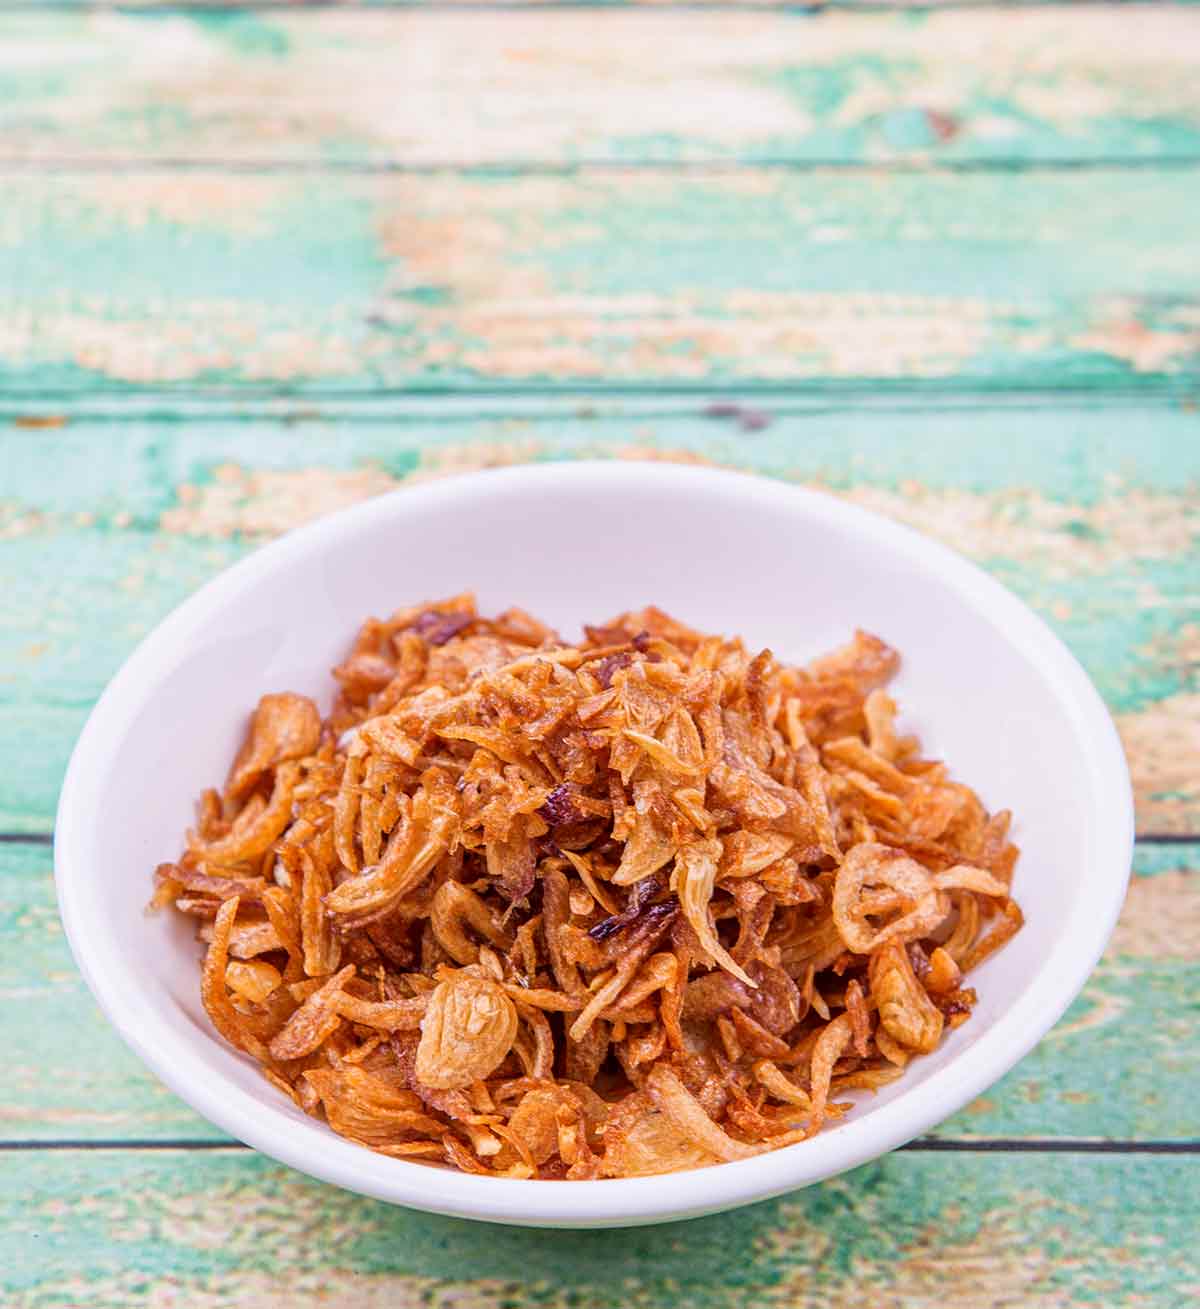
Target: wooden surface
286, 280
257, 264
539, 88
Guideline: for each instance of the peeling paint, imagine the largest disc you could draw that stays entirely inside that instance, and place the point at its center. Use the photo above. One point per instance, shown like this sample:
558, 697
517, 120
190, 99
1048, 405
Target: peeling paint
487, 88
1026, 527
1162, 743
1161, 917
614, 275
1019, 524
1145, 349
215, 278
263, 503
922, 1232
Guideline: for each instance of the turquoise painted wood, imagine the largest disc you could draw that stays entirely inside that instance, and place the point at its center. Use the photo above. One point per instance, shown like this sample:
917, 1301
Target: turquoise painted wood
439, 88
256, 265
607, 6
928, 1231
606, 277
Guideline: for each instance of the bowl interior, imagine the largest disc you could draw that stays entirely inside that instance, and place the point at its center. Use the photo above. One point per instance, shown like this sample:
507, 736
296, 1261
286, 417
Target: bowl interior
983, 684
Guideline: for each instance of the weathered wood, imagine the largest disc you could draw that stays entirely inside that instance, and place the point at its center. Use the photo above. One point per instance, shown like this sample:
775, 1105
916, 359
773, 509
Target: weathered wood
1089, 514
1114, 1064
218, 1230
1123, 1062
610, 277
443, 88
1001, 7
173, 271
66, 1073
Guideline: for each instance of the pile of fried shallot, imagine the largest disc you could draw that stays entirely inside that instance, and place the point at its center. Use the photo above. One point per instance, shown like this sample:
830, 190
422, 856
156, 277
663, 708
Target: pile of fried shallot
634, 905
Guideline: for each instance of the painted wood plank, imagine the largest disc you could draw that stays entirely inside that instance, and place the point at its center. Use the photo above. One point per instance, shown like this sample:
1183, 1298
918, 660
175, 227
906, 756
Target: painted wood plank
608, 277
66, 1075
1122, 1064
606, 6
218, 1230
1090, 514
442, 88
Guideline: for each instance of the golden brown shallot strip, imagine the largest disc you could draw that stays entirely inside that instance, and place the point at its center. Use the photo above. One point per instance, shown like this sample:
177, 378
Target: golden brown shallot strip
225, 1018
412, 851
322, 949
906, 1012
345, 812
830, 1047
455, 908
257, 837
873, 865
315, 1020
387, 1015
693, 880
687, 1115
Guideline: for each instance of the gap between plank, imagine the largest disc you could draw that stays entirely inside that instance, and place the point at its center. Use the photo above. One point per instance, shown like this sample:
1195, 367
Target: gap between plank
1014, 1145
255, 400
569, 402
930, 1145
539, 168
543, 6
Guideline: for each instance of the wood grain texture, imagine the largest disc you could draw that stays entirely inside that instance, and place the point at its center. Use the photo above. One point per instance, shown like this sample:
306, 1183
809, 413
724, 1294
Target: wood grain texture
1090, 514
67, 1074
608, 277
223, 1230
1122, 1064
231, 239
536, 87
605, 6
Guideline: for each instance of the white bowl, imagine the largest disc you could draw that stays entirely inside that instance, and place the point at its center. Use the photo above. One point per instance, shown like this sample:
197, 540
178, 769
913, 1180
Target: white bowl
985, 683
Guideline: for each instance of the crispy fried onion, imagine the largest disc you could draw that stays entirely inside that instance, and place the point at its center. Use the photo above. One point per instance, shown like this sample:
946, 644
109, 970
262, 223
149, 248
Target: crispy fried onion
692, 880
424, 836
642, 904
468, 1028
875, 881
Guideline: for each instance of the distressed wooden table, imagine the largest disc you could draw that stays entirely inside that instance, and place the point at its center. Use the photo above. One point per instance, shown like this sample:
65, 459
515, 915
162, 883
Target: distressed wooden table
260, 263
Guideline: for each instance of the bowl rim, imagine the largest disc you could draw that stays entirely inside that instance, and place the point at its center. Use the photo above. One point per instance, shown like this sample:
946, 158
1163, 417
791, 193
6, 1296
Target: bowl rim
619, 1201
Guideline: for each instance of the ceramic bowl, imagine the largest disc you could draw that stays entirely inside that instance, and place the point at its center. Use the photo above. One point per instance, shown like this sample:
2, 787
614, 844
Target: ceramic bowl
984, 682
